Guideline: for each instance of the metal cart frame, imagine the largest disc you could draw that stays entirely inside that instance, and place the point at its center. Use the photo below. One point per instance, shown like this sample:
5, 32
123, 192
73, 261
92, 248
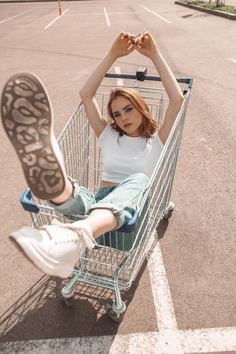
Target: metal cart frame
118, 256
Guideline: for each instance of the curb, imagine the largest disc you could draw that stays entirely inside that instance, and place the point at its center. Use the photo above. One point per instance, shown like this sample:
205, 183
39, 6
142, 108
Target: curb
227, 15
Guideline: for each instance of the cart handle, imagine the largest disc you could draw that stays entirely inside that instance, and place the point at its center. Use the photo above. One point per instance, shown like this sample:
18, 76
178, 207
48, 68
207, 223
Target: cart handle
27, 203
141, 75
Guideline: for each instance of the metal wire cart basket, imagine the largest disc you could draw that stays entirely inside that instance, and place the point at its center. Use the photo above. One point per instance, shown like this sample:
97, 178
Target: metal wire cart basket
117, 258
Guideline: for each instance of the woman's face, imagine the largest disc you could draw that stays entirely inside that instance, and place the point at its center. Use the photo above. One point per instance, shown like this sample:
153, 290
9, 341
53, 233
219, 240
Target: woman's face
126, 116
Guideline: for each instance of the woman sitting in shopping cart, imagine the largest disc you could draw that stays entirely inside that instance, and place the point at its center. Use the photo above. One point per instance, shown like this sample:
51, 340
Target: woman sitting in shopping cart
130, 146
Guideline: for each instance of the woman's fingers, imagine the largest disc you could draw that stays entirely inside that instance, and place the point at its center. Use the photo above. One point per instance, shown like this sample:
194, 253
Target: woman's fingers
127, 42
139, 40
145, 35
124, 43
130, 49
129, 39
133, 38
126, 35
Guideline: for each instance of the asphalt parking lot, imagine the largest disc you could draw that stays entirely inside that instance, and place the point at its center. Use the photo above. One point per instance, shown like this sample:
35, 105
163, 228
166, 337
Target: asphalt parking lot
183, 300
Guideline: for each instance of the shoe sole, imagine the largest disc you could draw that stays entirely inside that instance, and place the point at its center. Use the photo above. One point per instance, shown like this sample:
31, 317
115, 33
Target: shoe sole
27, 119
62, 271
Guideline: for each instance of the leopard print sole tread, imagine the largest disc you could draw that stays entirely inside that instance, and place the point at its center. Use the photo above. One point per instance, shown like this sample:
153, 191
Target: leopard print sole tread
27, 119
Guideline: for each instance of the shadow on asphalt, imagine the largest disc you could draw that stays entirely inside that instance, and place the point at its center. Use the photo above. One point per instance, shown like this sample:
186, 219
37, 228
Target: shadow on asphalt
41, 314
161, 228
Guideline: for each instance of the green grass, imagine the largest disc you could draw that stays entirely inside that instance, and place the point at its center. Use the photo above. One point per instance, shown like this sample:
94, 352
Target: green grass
226, 8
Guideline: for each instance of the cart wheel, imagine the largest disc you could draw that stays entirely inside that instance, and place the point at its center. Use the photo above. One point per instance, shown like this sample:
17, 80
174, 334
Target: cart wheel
169, 210
168, 215
114, 314
67, 297
67, 292
69, 302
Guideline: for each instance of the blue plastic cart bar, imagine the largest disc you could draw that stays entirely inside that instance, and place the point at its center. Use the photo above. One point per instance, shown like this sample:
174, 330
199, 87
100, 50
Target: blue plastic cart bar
27, 203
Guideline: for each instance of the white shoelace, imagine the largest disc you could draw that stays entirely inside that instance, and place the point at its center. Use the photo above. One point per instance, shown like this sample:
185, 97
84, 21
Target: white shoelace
81, 234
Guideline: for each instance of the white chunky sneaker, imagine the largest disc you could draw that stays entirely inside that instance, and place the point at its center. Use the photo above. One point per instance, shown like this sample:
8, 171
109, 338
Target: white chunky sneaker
27, 118
55, 249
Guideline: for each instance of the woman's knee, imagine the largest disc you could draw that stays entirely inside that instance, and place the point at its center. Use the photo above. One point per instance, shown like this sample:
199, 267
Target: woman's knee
78, 204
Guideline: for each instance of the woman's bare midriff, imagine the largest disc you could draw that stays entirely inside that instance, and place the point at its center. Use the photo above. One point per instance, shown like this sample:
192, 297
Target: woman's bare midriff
107, 184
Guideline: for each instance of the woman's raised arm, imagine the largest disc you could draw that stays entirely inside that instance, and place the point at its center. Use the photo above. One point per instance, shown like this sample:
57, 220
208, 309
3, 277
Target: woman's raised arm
123, 45
146, 45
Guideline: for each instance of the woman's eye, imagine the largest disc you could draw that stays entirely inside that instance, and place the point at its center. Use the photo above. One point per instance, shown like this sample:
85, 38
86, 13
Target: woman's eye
116, 115
129, 109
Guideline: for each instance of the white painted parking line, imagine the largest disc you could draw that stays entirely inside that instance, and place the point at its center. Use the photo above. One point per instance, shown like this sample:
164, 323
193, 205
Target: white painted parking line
233, 60
208, 340
166, 320
155, 14
11, 18
161, 292
106, 16
120, 82
55, 19
172, 340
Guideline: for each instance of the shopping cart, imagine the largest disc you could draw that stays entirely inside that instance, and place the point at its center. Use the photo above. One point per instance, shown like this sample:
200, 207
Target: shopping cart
117, 258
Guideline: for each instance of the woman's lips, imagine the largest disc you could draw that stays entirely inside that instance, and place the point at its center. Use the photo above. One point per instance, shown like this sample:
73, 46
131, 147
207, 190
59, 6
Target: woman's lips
127, 125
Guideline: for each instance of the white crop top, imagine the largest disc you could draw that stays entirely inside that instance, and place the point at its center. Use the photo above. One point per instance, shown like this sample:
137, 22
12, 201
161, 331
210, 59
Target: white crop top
123, 156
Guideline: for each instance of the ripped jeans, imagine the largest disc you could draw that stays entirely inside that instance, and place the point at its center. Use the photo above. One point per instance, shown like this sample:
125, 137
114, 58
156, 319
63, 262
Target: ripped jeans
121, 200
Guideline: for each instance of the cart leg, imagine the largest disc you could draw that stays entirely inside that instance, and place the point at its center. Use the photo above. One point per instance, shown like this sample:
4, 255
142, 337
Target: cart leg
169, 210
116, 309
67, 292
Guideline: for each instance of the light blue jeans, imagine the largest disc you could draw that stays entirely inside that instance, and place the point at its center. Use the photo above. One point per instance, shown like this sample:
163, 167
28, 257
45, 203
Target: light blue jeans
121, 200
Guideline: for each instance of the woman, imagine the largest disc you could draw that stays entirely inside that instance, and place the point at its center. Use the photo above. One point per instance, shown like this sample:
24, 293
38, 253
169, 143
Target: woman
130, 147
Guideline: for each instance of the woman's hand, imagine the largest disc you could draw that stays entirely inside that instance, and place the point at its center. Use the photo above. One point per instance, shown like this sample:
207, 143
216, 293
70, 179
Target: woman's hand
146, 45
123, 45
